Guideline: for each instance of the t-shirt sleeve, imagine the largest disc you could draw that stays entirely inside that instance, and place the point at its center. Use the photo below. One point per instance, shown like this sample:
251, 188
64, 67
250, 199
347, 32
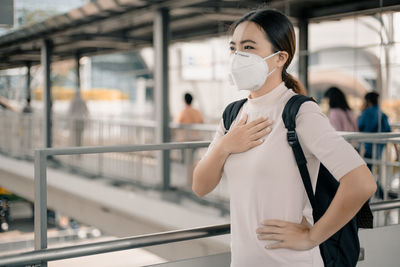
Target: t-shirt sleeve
218, 135
320, 138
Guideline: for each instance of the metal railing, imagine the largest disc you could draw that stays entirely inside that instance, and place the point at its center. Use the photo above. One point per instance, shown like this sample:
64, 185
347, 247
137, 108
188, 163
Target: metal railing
44, 255
40, 176
384, 161
22, 133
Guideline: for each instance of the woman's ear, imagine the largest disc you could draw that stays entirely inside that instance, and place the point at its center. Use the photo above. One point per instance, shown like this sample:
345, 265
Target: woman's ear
282, 58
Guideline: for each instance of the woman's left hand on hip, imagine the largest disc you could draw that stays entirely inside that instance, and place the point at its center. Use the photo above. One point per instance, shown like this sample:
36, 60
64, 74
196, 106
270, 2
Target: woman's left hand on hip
288, 235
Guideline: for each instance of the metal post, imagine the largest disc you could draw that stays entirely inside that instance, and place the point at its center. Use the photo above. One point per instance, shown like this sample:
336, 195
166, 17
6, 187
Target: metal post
78, 76
161, 43
46, 64
28, 81
40, 221
303, 55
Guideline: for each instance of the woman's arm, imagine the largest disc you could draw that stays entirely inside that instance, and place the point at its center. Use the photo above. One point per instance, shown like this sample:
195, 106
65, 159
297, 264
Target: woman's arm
354, 190
208, 171
240, 138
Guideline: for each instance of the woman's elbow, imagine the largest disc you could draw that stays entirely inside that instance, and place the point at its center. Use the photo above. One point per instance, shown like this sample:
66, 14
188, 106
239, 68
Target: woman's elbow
371, 188
197, 191
369, 185
196, 188
362, 179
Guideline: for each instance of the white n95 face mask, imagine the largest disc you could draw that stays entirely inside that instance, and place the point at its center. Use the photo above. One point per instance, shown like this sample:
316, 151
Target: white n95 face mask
249, 71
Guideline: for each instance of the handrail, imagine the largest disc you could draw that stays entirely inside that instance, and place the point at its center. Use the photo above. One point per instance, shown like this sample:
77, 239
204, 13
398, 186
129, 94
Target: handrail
38, 256
368, 136
385, 205
119, 148
40, 180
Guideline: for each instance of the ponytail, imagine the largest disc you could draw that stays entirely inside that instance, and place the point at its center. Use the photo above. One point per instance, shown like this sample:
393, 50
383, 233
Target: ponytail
293, 83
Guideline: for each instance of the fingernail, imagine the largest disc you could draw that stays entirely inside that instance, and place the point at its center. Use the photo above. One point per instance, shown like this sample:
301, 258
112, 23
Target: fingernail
261, 140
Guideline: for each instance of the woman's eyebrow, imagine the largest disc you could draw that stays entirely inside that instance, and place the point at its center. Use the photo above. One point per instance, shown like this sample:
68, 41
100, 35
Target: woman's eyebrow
247, 41
244, 41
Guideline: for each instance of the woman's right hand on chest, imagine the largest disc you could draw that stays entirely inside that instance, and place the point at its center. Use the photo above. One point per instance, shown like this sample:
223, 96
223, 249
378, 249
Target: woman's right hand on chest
244, 136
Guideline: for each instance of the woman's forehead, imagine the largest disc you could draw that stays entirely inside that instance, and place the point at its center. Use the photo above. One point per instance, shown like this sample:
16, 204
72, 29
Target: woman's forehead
248, 30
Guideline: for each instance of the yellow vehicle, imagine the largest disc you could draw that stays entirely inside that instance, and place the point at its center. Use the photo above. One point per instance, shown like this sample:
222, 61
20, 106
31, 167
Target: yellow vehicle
3, 191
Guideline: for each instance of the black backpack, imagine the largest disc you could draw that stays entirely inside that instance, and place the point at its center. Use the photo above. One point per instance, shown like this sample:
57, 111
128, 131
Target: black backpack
343, 248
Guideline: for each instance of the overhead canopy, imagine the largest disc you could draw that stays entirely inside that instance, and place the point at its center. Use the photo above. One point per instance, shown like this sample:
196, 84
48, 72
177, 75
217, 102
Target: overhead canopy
108, 26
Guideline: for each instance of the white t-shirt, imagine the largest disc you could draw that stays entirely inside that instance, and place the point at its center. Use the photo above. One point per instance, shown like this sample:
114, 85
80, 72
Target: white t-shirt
265, 183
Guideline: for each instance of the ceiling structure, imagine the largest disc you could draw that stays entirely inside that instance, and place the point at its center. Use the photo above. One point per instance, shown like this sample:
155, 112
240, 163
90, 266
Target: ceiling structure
108, 26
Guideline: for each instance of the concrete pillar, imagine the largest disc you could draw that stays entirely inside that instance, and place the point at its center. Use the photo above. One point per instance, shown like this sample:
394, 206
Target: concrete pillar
77, 74
303, 55
161, 42
28, 81
47, 46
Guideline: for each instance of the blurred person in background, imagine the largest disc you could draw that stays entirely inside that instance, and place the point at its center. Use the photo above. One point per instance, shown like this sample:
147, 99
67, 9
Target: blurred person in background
189, 114
27, 108
78, 114
27, 137
340, 114
368, 123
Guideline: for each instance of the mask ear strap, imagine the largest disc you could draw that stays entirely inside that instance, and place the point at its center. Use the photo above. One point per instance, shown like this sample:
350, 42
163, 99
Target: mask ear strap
274, 69
267, 57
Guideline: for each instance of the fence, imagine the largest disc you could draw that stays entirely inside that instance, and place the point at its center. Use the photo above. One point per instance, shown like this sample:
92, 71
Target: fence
22, 133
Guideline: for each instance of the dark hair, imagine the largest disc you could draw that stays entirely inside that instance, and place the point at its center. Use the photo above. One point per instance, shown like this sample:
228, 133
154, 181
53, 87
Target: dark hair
372, 98
188, 98
337, 99
280, 33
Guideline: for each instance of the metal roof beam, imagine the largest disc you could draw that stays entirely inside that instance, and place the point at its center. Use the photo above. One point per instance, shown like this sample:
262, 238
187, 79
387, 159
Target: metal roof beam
25, 57
352, 8
74, 46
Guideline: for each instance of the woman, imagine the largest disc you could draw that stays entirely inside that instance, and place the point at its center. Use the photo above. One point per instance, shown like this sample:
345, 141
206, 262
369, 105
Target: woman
340, 114
271, 221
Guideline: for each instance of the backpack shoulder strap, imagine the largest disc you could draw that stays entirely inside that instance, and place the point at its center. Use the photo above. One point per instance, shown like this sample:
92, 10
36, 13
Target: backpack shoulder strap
231, 111
292, 108
289, 119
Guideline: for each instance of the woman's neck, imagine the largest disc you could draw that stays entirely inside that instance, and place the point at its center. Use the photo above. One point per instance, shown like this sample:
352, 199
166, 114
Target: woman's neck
271, 83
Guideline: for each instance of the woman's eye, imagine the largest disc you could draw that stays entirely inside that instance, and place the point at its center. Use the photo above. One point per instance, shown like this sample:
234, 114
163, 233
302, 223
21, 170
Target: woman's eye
246, 47
232, 48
